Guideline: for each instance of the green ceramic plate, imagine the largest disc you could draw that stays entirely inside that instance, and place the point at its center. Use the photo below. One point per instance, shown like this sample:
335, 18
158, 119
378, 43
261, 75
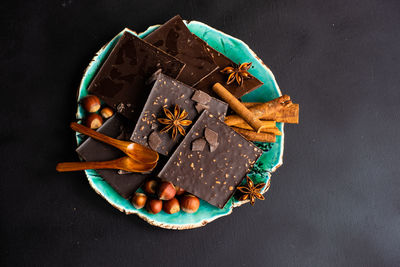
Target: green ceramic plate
239, 52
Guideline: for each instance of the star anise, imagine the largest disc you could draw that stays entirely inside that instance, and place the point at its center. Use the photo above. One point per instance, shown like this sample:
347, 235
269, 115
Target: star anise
237, 74
175, 121
251, 191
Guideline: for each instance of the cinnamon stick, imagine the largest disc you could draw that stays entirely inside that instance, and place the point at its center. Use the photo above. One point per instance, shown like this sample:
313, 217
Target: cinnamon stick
275, 130
251, 104
280, 109
237, 106
254, 136
244, 125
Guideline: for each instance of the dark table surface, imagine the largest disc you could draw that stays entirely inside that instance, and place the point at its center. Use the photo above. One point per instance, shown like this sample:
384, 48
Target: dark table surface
334, 202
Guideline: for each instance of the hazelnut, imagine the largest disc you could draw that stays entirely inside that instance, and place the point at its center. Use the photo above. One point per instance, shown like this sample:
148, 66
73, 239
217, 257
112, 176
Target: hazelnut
179, 190
91, 103
154, 206
171, 206
93, 121
166, 191
189, 203
106, 112
150, 186
139, 200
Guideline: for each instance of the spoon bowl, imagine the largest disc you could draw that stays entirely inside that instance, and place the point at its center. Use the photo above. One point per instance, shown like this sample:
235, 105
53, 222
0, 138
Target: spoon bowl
135, 151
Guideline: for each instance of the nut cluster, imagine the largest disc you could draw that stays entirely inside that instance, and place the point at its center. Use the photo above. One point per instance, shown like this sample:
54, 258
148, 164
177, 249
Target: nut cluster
92, 105
164, 196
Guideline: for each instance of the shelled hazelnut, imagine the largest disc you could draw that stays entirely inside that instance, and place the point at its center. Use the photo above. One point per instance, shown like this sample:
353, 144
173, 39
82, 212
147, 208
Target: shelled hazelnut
189, 203
91, 103
171, 206
162, 196
93, 121
154, 206
179, 190
139, 200
166, 191
106, 112
150, 187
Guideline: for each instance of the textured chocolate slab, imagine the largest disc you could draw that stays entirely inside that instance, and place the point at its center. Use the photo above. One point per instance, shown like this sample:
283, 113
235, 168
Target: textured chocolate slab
216, 76
175, 38
120, 81
212, 176
168, 92
92, 150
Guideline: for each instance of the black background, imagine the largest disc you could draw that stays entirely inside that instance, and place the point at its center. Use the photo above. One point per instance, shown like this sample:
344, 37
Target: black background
334, 202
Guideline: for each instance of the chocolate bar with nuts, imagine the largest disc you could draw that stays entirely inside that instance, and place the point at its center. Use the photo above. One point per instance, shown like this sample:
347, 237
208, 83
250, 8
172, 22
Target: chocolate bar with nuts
211, 161
168, 93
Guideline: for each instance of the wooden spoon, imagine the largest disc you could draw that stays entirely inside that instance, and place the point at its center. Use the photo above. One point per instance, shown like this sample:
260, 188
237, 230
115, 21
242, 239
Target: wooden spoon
124, 163
135, 151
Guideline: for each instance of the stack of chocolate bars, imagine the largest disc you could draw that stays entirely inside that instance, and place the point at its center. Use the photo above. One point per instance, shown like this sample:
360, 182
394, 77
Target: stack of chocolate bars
160, 88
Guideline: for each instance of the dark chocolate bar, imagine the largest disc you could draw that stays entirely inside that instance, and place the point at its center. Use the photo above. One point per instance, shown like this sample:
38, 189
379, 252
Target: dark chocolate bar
214, 169
166, 93
175, 38
92, 150
216, 76
120, 81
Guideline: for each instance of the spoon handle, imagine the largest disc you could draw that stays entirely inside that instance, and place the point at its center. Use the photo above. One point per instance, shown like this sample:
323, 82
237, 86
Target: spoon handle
96, 135
124, 163
78, 166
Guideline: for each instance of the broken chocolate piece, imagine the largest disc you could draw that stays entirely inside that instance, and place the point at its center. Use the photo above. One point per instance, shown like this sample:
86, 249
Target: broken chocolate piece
200, 107
213, 147
154, 140
211, 176
167, 93
92, 150
175, 38
216, 76
212, 138
198, 144
201, 97
120, 82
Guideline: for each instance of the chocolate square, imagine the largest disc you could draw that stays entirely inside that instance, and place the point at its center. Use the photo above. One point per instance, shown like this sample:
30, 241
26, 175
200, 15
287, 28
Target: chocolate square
92, 150
121, 79
175, 38
211, 175
216, 76
168, 92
